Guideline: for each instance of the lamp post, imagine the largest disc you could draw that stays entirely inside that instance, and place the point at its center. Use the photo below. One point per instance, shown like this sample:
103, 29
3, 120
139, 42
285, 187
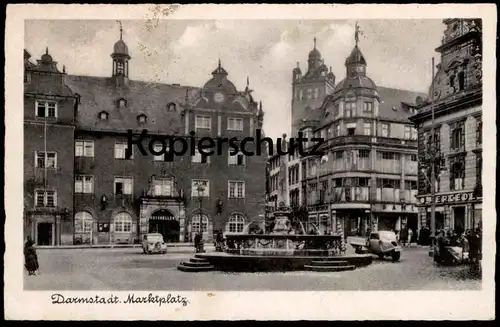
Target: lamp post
201, 189
433, 164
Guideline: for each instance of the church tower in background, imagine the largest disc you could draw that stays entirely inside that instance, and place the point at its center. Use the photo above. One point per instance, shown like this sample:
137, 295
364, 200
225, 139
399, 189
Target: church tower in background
310, 89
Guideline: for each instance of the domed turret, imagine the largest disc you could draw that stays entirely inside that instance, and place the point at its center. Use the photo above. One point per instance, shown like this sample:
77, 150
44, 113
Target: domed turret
355, 65
219, 82
46, 58
315, 60
120, 48
120, 58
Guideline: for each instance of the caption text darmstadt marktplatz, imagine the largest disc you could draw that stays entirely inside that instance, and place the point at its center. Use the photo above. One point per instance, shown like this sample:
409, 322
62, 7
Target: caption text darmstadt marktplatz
112, 299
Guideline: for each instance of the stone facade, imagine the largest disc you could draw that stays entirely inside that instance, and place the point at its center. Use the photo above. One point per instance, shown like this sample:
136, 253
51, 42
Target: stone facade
106, 196
455, 96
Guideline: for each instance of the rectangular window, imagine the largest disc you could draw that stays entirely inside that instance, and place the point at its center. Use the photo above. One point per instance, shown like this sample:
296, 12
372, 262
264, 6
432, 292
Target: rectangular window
236, 189
339, 155
337, 182
337, 129
123, 185
410, 185
385, 130
364, 153
479, 131
367, 129
388, 183
84, 148
479, 168
45, 159
201, 158
46, 109
203, 122
457, 173
368, 107
236, 160
414, 133
363, 182
167, 156
45, 198
163, 186
200, 188
235, 124
407, 132
121, 151
457, 138
351, 131
349, 109
84, 184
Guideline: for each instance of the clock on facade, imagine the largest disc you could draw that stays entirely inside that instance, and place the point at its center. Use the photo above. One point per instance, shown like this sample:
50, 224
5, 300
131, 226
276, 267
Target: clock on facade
218, 97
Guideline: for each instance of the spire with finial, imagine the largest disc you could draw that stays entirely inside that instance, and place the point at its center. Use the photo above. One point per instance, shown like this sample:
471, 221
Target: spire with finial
121, 29
46, 50
64, 69
219, 63
248, 81
357, 33
314, 42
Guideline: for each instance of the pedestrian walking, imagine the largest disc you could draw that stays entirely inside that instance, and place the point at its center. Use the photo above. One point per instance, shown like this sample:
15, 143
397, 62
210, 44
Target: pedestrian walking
30, 257
410, 235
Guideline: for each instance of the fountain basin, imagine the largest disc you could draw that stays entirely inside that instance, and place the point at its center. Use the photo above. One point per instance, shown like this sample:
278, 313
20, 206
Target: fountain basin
259, 263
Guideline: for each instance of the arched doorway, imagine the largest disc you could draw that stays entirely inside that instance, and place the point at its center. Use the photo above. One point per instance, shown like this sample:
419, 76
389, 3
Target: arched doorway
165, 223
83, 227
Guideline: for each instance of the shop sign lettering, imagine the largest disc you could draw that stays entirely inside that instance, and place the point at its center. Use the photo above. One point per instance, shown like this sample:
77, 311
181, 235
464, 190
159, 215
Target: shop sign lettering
449, 198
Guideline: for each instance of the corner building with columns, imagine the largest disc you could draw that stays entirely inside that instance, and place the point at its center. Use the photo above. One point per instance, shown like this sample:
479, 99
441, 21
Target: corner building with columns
83, 186
367, 178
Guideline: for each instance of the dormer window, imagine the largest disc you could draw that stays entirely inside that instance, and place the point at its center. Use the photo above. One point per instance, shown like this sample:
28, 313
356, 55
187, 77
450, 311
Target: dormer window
171, 107
142, 118
103, 115
122, 103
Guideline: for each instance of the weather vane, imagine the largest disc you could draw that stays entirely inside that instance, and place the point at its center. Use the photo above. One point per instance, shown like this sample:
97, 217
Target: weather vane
357, 33
121, 30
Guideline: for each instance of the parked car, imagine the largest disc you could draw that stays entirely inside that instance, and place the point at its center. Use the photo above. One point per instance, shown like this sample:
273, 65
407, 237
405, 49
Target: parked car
154, 243
381, 243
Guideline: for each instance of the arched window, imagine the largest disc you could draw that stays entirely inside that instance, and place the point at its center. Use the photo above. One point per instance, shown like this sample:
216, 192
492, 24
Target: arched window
123, 223
236, 224
199, 223
83, 222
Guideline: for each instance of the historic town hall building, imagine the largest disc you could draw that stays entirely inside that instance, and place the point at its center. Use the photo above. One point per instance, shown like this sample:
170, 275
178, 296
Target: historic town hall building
81, 183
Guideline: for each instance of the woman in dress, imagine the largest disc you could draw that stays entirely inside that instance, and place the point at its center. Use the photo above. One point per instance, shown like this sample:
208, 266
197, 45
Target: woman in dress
30, 257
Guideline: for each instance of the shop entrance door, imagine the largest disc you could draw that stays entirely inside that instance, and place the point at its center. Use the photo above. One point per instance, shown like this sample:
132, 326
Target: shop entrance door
165, 223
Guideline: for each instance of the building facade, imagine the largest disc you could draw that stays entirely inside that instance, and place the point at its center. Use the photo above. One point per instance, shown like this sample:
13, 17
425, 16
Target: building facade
105, 193
367, 177
455, 96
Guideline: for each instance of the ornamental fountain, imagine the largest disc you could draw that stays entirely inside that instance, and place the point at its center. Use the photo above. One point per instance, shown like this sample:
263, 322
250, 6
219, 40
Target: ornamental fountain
286, 247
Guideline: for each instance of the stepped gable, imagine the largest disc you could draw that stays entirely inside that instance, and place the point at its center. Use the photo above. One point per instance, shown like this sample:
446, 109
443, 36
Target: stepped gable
100, 94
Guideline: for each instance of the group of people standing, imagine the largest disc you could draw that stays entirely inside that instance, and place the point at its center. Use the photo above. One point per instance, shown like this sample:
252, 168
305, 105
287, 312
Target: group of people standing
452, 245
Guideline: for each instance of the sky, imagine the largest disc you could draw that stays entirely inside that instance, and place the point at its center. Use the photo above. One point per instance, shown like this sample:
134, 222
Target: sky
398, 52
